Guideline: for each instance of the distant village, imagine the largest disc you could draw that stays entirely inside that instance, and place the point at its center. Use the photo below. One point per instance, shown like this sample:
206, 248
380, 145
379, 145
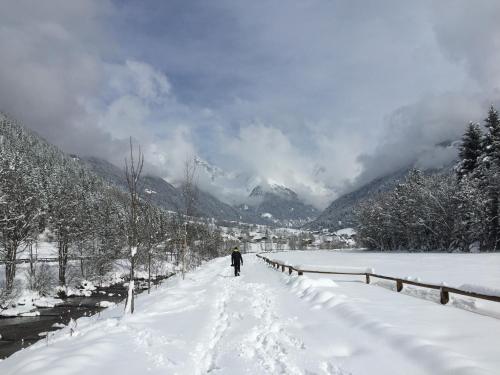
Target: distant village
256, 238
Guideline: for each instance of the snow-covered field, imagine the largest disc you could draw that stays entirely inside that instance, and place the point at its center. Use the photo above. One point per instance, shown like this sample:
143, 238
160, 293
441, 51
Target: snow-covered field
454, 269
266, 322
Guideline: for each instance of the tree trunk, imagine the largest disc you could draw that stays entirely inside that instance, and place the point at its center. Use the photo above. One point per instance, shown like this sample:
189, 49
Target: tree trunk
149, 271
129, 306
63, 261
32, 262
132, 285
10, 266
493, 223
82, 268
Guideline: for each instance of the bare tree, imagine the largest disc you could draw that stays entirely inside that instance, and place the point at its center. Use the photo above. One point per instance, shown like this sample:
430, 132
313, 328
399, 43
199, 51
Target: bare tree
151, 231
190, 187
133, 170
190, 196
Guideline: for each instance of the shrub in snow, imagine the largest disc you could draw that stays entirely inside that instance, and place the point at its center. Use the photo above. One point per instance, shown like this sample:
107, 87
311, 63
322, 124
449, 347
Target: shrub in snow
41, 278
61, 292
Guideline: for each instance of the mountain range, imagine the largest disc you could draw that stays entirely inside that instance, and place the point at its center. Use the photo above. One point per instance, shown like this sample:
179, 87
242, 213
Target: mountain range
164, 194
267, 205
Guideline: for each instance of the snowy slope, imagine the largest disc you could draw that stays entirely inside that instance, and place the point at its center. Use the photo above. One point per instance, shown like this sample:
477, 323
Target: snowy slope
166, 195
267, 322
340, 213
277, 205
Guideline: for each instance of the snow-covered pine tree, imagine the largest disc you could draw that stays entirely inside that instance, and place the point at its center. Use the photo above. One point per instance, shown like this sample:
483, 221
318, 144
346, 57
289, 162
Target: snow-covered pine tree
490, 177
492, 137
470, 150
423, 213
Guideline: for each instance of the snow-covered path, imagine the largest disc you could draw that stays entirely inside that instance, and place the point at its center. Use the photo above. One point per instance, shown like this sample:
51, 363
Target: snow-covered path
263, 322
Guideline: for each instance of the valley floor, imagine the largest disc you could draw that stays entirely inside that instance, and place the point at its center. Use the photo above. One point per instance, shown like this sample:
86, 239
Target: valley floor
266, 322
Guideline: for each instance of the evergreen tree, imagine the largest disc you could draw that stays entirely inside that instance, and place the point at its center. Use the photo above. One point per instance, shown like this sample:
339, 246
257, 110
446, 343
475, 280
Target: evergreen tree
470, 151
490, 177
492, 138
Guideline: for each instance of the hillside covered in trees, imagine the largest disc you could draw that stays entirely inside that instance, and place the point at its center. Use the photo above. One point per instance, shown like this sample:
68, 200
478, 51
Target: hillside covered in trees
43, 190
447, 212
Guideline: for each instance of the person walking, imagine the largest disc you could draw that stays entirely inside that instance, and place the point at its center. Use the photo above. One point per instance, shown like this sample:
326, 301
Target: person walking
236, 259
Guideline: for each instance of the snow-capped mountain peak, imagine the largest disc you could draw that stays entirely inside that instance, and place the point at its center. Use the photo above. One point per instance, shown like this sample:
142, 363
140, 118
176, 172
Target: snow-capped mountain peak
273, 189
211, 170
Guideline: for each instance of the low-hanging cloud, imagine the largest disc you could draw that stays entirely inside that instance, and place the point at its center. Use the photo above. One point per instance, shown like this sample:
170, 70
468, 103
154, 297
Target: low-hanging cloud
469, 34
421, 135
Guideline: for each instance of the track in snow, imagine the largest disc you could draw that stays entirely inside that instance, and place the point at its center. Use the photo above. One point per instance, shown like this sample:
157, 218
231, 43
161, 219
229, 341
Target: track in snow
247, 331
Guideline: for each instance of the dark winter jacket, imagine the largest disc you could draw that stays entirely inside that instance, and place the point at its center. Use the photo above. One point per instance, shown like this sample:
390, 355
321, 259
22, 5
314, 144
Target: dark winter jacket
236, 258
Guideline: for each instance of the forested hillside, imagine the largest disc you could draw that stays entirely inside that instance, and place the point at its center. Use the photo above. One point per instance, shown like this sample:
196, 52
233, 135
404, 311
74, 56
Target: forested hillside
458, 211
44, 190
340, 213
165, 195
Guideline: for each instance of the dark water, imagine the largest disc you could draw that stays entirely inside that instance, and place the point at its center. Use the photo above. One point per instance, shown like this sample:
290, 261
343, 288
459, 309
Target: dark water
21, 332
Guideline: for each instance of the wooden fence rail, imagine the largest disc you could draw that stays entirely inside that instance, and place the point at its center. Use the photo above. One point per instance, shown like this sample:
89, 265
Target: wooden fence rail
48, 260
444, 290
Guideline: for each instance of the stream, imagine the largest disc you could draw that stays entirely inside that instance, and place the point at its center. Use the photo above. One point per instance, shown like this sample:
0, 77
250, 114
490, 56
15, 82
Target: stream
20, 332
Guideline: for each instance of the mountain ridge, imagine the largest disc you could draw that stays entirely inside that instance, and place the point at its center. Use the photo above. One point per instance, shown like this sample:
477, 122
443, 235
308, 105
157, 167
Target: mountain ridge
163, 193
273, 204
340, 213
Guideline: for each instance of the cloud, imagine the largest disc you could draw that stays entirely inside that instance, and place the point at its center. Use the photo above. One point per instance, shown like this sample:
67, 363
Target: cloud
50, 60
299, 90
316, 95
469, 34
139, 78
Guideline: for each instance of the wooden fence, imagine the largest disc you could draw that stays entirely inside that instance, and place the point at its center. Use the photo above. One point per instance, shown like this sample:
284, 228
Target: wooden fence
444, 290
168, 255
42, 260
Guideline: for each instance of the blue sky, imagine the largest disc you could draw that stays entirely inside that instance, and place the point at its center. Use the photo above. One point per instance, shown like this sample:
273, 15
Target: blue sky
317, 95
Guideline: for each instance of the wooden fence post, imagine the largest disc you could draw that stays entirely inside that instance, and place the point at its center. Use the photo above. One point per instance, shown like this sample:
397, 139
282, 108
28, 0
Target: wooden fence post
445, 296
399, 285
300, 273
283, 268
289, 270
367, 278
